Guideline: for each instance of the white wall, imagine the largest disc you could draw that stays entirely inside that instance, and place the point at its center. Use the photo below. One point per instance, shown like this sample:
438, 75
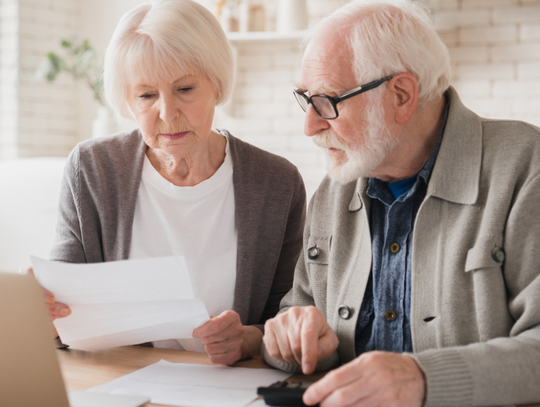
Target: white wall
99, 19
495, 51
47, 120
494, 44
9, 104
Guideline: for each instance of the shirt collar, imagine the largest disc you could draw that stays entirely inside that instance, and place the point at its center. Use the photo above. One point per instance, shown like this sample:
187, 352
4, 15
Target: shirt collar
378, 189
456, 173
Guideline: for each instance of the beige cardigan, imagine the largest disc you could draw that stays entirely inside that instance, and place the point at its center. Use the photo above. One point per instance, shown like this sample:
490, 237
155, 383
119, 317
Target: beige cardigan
483, 345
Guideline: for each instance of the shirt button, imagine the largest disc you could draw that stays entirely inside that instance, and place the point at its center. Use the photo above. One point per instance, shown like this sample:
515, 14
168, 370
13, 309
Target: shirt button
498, 254
390, 315
395, 248
313, 253
344, 312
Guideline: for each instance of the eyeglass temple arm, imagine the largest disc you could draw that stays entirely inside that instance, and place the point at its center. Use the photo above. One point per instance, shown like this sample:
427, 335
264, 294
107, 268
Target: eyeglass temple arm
361, 89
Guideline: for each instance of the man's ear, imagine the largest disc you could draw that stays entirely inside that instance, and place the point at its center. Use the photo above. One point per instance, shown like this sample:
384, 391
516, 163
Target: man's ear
404, 89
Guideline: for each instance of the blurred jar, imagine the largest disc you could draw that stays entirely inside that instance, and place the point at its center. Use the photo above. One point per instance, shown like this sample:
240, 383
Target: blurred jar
229, 16
292, 16
217, 7
252, 16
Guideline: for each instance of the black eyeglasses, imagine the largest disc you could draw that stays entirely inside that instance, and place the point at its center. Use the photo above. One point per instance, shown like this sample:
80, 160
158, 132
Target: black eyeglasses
326, 106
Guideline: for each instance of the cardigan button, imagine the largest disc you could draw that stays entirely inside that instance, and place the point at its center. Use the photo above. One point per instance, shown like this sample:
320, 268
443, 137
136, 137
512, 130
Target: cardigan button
498, 254
344, 312
313, 253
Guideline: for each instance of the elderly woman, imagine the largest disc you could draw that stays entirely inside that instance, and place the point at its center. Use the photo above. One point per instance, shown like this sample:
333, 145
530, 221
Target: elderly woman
175, 186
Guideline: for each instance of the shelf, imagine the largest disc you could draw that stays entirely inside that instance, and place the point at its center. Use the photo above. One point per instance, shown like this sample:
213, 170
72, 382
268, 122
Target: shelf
264, 36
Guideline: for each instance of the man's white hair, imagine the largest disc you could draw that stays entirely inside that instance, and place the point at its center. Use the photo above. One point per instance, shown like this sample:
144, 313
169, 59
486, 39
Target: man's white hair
392, 36
162, 40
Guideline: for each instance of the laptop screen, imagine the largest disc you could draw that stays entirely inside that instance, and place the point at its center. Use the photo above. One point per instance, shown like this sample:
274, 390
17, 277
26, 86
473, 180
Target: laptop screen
29, 371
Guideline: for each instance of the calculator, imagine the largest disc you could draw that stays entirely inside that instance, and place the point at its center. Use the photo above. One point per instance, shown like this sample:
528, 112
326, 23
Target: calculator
286, 394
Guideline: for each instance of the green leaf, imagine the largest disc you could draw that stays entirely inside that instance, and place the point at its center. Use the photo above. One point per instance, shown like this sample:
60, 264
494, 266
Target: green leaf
78, 59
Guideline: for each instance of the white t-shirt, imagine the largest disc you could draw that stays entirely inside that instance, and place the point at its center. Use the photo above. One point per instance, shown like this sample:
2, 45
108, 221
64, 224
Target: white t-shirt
197, 223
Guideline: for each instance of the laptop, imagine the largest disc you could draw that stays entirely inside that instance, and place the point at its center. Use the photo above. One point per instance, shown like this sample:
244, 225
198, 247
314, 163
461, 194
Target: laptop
30, 374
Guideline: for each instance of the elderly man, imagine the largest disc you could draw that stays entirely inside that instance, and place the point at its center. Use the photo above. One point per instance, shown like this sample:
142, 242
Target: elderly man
420, 269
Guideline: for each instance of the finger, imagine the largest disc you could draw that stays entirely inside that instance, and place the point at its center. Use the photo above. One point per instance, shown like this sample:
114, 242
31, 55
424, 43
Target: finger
295, 341
337, 378
49, 297
217, 324
223, 346
328, 343
283, 344
346, 395
226, 358
270, 341
232, 333
26, 270
310, 346
313, 329
58, 310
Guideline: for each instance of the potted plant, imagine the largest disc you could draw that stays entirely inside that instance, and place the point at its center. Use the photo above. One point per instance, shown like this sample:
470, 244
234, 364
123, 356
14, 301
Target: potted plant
80, 60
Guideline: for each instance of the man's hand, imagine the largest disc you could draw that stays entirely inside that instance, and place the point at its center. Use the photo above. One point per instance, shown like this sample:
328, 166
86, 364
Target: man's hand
300, 335
226, 340
372, 379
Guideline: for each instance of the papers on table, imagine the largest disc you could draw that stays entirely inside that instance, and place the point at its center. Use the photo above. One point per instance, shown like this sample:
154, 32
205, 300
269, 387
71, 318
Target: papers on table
122, 302
179, 384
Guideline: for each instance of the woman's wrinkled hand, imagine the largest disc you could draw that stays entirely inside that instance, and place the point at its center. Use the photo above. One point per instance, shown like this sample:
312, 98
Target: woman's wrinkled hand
226, 340
55, 309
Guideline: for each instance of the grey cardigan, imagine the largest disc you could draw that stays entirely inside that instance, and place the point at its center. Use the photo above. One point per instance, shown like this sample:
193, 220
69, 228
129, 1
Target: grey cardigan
475, 315
97, 207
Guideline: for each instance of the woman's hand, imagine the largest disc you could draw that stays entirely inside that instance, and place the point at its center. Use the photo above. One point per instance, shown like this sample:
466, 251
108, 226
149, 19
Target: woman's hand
226, 340
56, 309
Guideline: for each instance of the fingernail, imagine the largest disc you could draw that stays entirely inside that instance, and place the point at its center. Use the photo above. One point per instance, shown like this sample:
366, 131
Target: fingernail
64, 312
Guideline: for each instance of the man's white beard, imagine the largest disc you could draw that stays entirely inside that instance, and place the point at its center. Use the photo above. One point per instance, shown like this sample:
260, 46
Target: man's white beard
361, 160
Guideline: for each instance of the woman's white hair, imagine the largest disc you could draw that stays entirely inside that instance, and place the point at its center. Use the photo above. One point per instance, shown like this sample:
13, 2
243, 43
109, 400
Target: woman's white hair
392, 36
161, 41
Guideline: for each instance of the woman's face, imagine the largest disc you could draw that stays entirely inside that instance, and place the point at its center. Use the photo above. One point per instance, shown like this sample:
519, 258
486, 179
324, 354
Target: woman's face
174, 116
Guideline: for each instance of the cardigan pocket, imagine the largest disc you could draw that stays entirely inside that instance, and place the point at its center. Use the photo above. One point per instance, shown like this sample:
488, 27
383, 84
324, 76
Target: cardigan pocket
485, 254
318, 250
317, 258
488, 289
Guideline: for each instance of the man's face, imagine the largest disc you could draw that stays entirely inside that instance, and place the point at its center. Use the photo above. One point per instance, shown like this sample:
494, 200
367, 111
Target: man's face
358, 141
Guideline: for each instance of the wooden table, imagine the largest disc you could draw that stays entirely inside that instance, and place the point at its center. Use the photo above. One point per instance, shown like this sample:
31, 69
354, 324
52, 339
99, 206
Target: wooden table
82, 370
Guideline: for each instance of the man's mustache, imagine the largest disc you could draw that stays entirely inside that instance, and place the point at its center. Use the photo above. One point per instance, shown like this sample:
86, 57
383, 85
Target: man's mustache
329, 139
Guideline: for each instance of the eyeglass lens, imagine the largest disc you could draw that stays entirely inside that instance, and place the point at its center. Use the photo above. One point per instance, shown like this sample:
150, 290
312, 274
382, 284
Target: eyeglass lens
324, 106
302, 100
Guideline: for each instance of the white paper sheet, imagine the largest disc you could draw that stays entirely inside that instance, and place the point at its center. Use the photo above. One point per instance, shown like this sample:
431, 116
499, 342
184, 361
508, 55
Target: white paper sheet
122, 302
179, 384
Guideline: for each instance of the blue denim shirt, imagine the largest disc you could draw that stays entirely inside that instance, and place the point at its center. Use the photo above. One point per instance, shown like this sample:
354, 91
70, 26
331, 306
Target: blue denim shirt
384, 319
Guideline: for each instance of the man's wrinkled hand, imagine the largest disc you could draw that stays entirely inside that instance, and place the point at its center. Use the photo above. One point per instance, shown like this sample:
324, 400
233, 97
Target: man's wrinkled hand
372, 379
300, 335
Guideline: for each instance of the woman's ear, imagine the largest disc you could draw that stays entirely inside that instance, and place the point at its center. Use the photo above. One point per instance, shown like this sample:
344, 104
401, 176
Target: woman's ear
404, 88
